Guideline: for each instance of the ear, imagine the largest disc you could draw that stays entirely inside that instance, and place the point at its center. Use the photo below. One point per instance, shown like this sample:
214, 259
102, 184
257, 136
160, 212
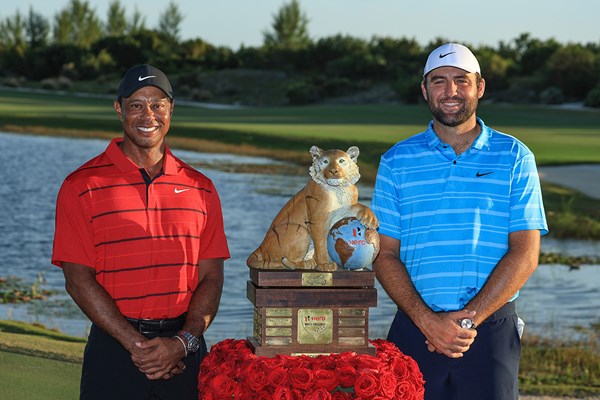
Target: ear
424, 89
118, 109
315, 152
353, 152
481, 88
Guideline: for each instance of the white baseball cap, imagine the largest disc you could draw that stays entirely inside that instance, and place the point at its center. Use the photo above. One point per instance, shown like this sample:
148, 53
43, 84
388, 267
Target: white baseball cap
452, 55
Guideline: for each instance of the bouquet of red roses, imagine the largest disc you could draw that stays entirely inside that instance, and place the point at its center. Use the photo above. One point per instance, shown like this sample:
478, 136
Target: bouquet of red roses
232, 371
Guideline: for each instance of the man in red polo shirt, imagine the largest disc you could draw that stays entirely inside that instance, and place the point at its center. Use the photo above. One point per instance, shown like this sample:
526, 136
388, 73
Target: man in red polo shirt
140, 238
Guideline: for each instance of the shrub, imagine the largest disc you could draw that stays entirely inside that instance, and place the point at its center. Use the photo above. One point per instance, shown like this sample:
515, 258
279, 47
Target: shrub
552, 95
593, 98
302, 93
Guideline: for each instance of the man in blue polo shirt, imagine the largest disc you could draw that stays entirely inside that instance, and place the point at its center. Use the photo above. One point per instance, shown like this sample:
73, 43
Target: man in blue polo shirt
461, 215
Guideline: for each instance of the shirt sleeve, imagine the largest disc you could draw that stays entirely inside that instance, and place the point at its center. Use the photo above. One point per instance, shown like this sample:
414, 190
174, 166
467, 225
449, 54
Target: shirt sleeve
213, 243
73, 238
526, 205
386, 201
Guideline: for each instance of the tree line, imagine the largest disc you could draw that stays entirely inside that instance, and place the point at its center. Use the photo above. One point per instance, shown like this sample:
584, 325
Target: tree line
77, 45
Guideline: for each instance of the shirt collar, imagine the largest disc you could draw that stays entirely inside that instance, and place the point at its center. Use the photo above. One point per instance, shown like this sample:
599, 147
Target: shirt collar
482, 141
124, 164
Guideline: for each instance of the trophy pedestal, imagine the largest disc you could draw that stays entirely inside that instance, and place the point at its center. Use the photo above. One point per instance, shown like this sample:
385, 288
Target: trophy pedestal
310, 312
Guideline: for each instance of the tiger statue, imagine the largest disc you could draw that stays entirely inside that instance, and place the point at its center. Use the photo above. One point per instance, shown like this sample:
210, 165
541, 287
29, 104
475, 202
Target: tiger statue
307, 217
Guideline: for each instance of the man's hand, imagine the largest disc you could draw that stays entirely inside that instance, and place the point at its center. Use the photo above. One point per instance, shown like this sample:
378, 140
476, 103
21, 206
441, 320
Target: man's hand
445, 335
159, 358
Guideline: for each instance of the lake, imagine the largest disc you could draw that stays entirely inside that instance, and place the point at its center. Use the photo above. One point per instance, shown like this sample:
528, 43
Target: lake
553, 302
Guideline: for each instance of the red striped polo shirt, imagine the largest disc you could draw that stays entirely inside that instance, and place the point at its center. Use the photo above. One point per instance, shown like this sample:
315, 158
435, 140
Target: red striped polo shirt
144, 237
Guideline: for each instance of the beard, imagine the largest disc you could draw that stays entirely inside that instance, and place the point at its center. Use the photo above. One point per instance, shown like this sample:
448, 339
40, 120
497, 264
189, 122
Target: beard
469, 106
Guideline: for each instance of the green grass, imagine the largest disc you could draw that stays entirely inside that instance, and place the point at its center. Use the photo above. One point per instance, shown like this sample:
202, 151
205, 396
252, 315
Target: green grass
38, 363
26, 377
561, 368
556, 136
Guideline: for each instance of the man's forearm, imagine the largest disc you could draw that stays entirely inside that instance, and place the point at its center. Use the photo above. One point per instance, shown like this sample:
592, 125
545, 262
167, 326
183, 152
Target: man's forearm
99, 307
206, 298
509, 276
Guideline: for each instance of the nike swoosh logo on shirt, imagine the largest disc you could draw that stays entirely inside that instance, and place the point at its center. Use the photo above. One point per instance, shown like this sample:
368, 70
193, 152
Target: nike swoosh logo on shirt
447, 54
479, 174
140, 78
177, 191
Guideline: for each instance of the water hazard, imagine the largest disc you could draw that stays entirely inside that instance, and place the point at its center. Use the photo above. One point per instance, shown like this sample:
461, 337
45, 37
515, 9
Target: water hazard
554, 300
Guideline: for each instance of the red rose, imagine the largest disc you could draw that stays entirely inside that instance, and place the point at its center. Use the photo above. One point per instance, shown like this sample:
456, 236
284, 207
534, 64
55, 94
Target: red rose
347, 375
282, 393
404, 390
296, 394
319, 394
222, 385
255, 378
387, 384
339, 395
367, 362
326, 379
366, 385
278, 377
300, 378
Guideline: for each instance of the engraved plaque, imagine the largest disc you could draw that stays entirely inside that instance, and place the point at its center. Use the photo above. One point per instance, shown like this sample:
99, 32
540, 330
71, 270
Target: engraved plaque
315, 326
278, 312
278, 331
352, 312
313, 355
351, 332
352, 341
352, 322
317, 279
279, 341
279, 322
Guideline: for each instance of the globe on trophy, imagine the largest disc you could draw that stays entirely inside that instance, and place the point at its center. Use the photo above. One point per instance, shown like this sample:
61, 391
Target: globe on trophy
351, 245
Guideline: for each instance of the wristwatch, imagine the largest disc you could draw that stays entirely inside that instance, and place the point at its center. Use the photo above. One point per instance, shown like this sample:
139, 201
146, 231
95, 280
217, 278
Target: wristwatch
467, 323
193, 343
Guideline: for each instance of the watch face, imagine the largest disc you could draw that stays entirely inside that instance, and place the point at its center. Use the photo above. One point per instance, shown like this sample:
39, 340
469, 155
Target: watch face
467, 323
193, 344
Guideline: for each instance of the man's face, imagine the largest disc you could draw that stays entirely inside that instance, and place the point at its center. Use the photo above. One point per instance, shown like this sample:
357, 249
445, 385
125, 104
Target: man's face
452, 95
146, 117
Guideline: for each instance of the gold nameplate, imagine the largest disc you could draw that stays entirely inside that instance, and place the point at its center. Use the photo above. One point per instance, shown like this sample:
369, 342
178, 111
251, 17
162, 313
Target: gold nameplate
278, 332
280, 341
351, 312
313, 355
278, 312
317, 279
351, 332
350, 341
279, 322
315, 326
352, 322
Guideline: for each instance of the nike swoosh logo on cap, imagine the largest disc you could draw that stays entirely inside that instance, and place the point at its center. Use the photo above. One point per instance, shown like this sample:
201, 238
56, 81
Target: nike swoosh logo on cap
140, 78
447, 54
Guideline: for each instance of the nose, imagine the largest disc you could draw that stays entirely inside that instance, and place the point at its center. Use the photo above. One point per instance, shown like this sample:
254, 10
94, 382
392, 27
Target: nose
450, 89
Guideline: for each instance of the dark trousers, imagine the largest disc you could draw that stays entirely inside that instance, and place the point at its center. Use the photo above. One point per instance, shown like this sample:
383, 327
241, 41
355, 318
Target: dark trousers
109, 373
487, 371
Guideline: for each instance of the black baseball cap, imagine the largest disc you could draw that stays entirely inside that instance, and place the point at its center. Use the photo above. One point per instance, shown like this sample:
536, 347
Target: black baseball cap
144, 75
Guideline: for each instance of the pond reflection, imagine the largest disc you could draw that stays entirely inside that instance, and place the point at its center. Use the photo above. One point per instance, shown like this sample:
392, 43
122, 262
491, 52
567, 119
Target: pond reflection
553, 301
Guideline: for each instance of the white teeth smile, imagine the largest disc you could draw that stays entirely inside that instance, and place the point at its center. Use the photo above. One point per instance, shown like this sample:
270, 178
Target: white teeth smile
149, 129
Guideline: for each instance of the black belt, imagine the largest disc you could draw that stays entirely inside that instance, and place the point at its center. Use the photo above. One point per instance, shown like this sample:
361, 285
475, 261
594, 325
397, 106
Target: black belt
503, 312
158, 325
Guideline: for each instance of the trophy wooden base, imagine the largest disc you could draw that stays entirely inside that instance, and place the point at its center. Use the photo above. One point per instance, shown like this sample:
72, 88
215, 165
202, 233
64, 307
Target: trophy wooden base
309, 312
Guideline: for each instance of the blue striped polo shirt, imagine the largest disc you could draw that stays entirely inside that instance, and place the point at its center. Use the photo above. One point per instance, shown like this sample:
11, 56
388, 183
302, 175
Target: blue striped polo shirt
452, 214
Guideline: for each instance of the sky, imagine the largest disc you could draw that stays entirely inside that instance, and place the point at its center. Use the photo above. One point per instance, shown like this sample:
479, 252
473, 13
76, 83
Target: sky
235, 23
